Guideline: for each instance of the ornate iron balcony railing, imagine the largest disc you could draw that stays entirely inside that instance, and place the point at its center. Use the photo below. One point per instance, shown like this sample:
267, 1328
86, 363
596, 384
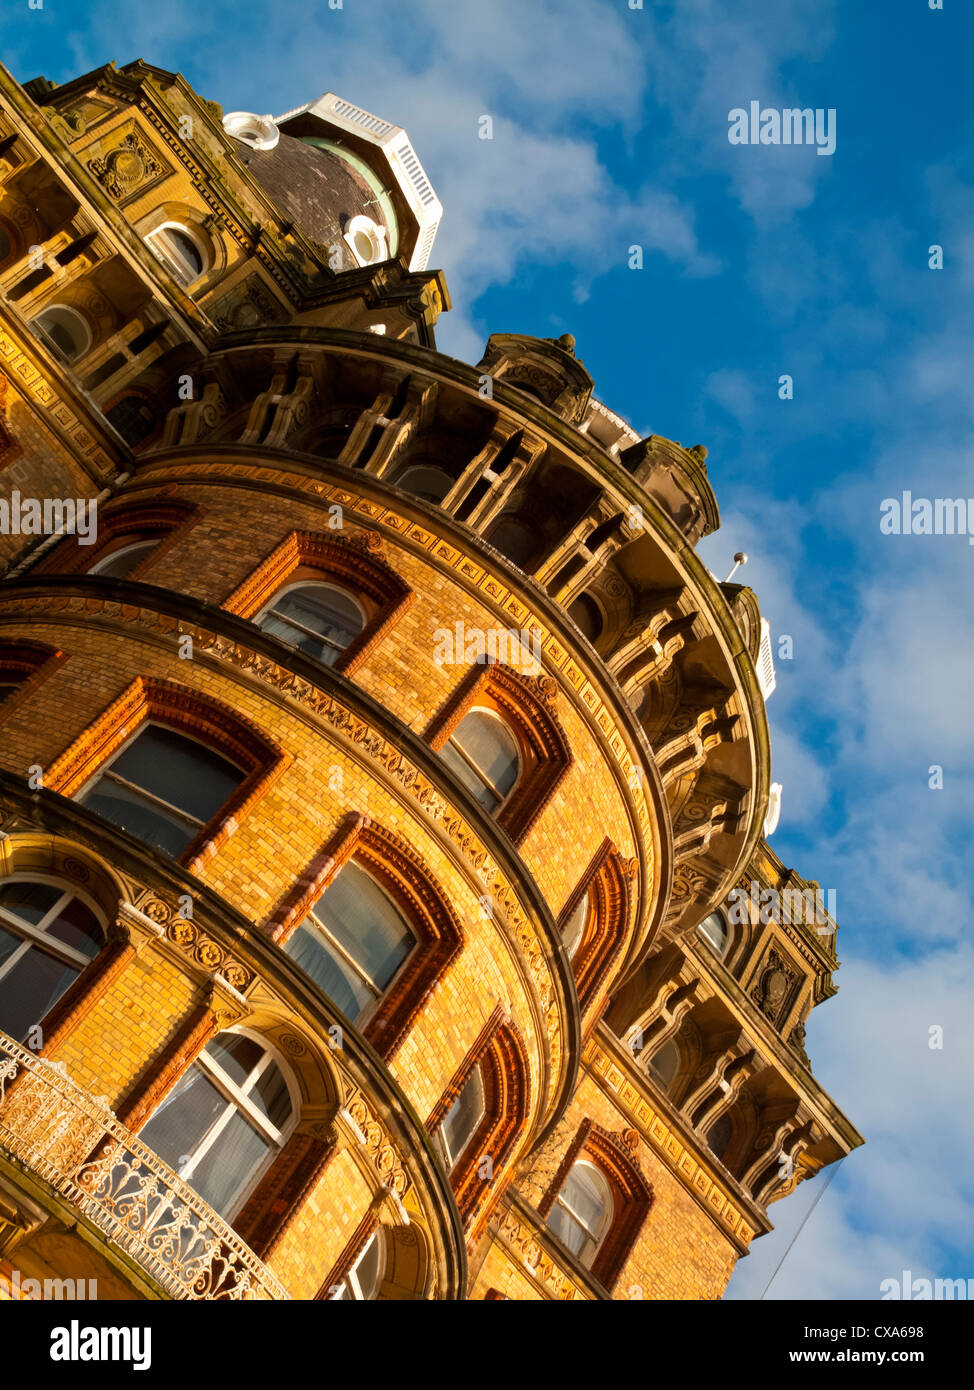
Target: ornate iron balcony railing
73, 1141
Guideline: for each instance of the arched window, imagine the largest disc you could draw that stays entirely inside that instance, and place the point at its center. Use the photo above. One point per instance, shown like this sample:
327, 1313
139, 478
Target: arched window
714, 931
574, 928
119, 563
425, 481
664, 1064
353, 942
462, 1120
515, 540
587, 616
483, 753
355, 597
179, 251
582, 1211
500, 733
320, 619
162, 787
64, 331
47, 936
362, 1281
719, 1135
225, 1120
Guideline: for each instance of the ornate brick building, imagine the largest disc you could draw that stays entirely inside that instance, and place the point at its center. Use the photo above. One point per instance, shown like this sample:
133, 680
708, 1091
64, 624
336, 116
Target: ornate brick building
378, 759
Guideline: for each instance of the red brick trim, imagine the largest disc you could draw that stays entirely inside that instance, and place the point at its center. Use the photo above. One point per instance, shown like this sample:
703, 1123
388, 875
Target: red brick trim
160, 518
354, 562
185, 710
158, 1079
507, 1085
294, 907
339, 1270
473, 1057
28, 662
527, 704
282, 1192
402, 873
607, 879
632, 1197
564, 1168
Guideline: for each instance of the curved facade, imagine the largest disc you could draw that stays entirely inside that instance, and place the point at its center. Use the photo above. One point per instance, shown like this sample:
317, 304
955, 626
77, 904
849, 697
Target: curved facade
383, 774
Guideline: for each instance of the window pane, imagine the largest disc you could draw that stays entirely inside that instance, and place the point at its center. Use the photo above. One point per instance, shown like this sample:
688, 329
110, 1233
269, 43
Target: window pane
30, 988
29, 901
185, 248
227, 1168
331, 974
184, 1118
469, 778
179, 770
464, 1115
575, 925
567, 1229
149, 823
431, 484
326, 610
714, 932
270, 1096
8, 944
120, 563
363, 920
365, 1275
663, 1064
583, 1193
77, 926
236, 1054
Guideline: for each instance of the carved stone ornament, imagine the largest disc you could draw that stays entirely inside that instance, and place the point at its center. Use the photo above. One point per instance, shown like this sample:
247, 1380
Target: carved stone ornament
127, 167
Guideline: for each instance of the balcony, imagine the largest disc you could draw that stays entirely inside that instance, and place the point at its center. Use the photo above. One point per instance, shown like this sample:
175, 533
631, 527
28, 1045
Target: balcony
73, 1141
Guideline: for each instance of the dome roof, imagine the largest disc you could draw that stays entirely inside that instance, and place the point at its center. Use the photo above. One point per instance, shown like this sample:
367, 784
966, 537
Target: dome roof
318, 191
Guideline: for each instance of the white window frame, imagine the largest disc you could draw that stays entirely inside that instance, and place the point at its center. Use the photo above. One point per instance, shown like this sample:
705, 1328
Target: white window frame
485, 780
41, 331
318, 636
719, 951
572, 945
237, 1102
587, 1254
169, 258
351, 1281
34, 934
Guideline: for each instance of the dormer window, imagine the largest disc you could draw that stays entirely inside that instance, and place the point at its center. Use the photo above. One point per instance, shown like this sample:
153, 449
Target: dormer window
259, 132
366, 240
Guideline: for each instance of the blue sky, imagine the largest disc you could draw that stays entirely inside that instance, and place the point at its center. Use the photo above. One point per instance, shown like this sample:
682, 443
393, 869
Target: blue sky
610, 130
